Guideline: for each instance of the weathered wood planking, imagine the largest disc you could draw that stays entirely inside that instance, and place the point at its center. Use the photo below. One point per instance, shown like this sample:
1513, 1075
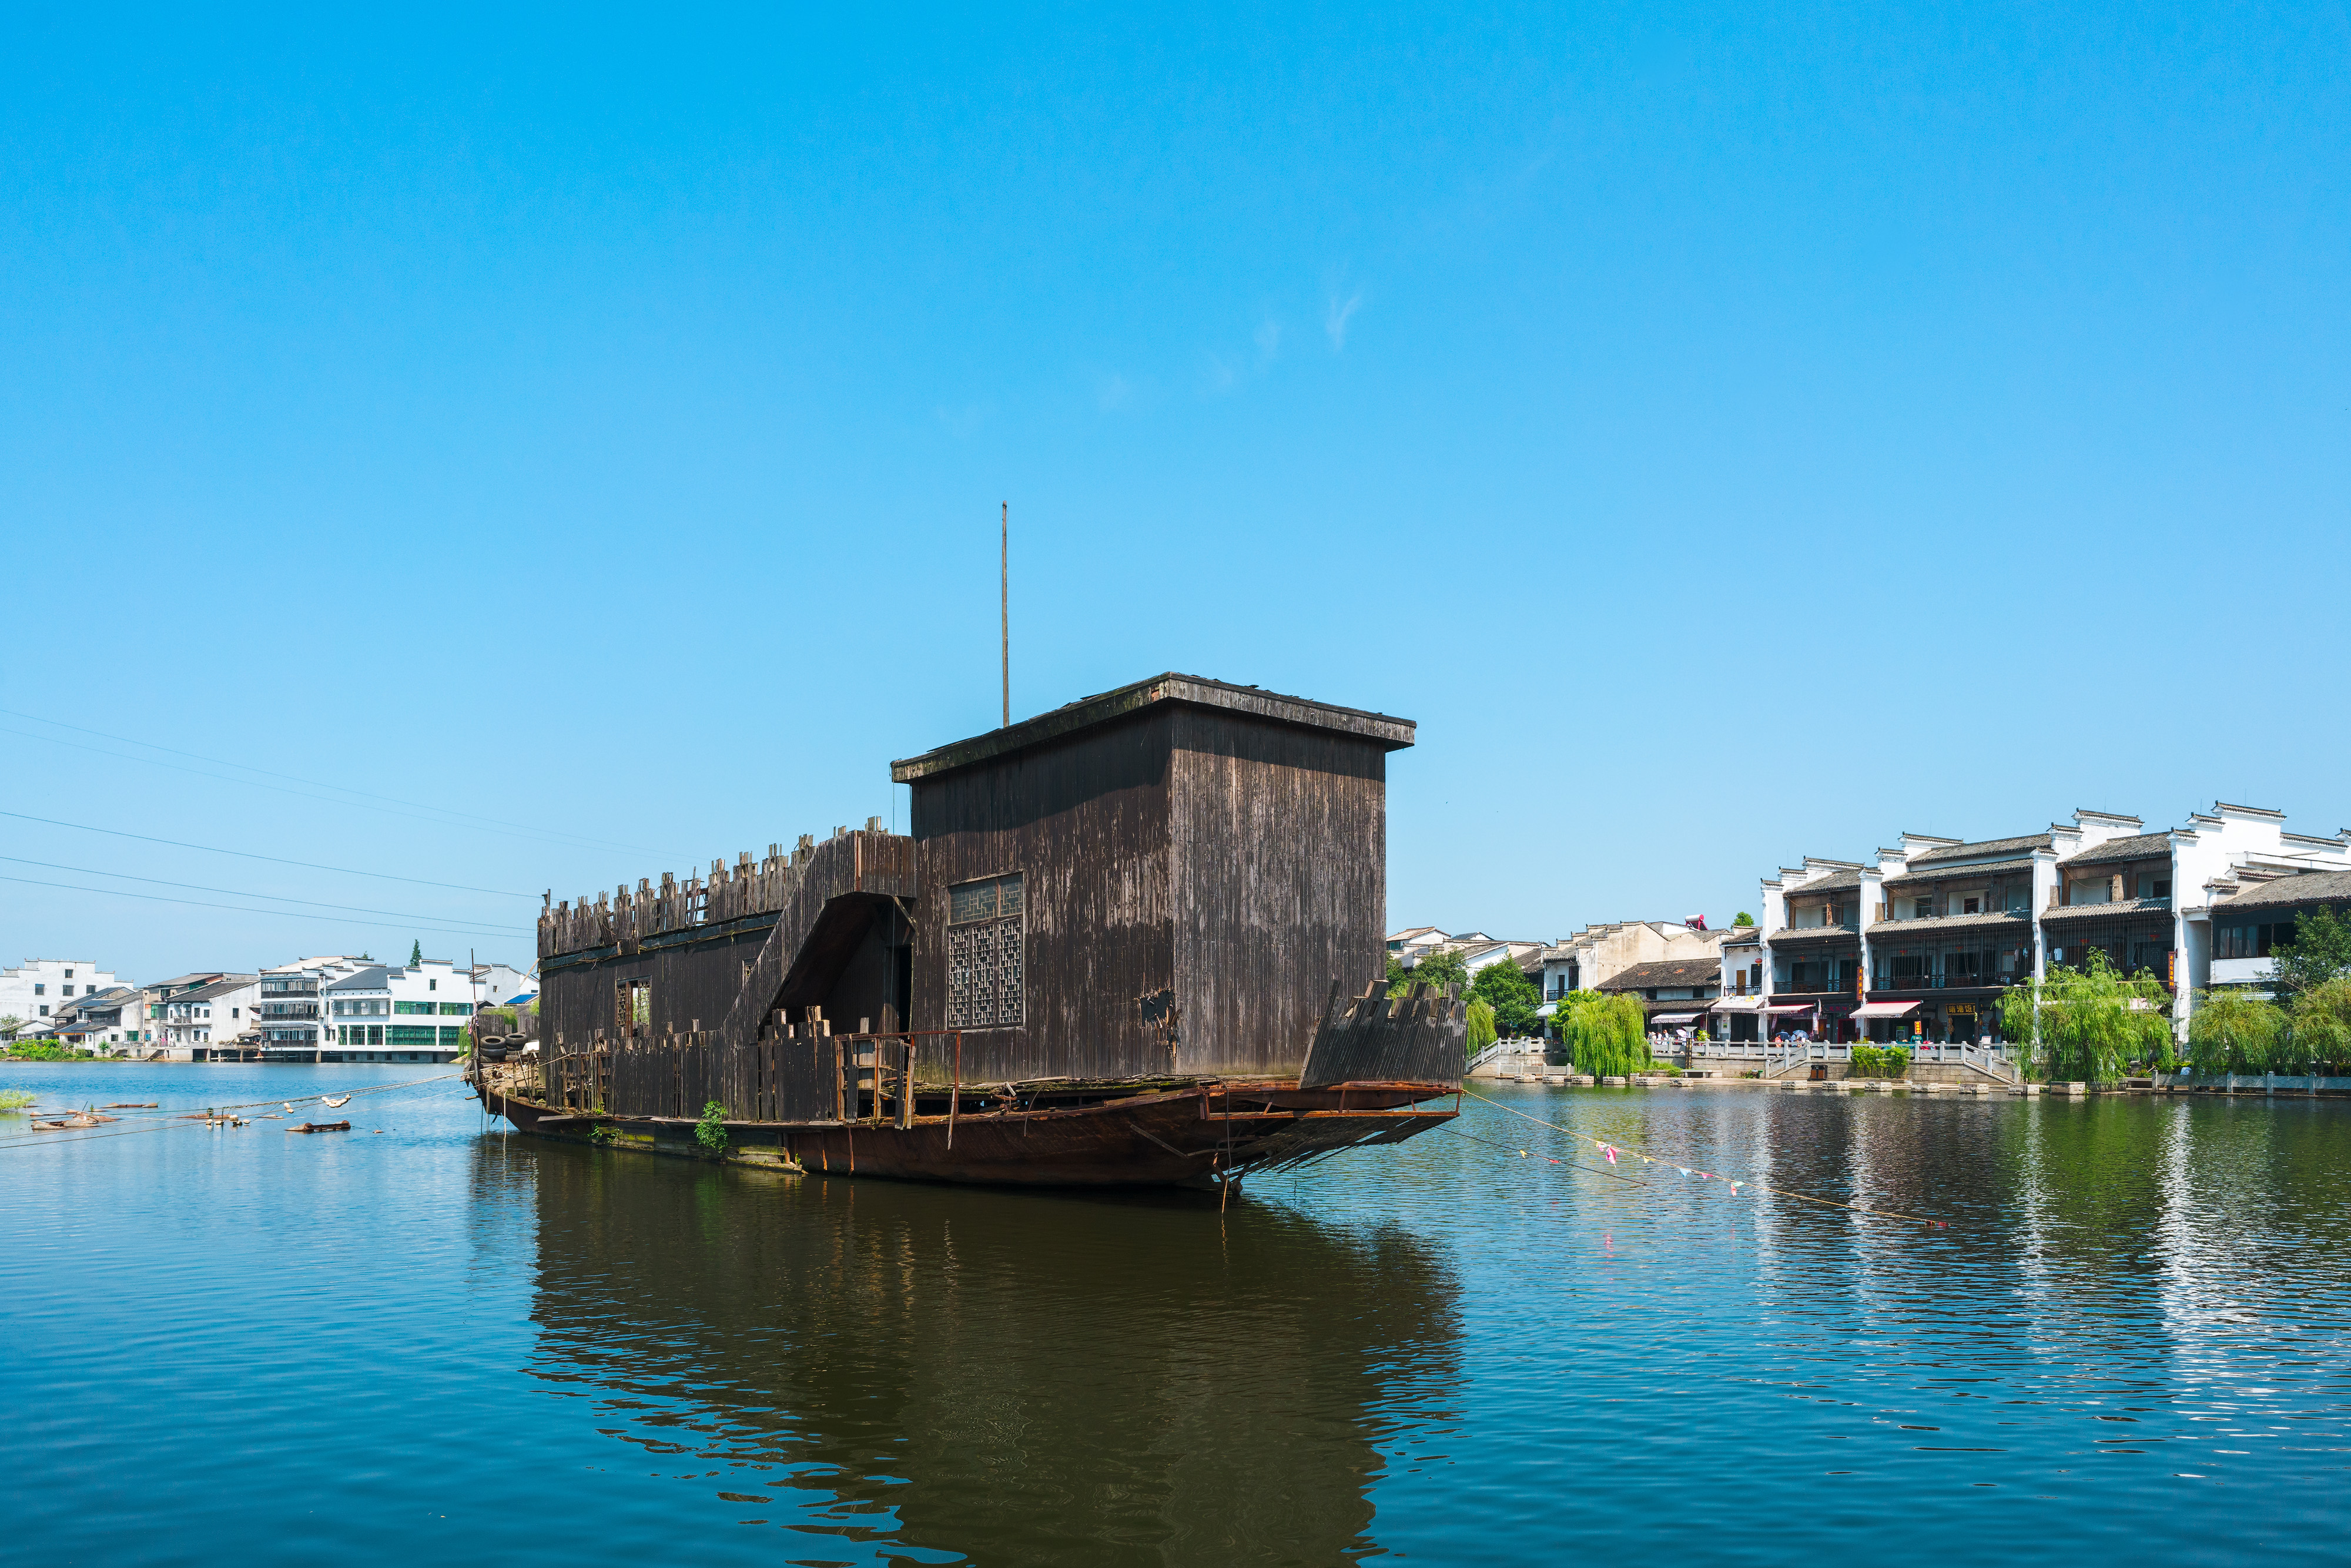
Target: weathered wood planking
1201, 863
1420, 1038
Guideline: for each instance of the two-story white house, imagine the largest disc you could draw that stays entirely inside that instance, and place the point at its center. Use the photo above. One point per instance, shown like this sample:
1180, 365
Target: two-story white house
211, 1023
410, 1013
34, 990
1921, 943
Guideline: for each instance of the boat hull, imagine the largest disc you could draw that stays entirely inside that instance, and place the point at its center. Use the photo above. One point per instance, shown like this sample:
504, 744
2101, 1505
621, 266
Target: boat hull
1198, 1136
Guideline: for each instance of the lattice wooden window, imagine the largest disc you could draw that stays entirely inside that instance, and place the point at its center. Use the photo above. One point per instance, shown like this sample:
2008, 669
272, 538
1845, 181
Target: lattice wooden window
987, 949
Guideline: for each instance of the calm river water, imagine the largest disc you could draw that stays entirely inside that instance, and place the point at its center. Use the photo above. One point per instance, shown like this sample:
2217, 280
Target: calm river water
433, 1342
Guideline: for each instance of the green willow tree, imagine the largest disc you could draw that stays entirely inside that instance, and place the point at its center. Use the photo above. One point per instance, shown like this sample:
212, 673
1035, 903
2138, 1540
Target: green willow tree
2230, 1031
2318, 1027
1482, 1026
2089, 1024
1607, 1036
2320, 952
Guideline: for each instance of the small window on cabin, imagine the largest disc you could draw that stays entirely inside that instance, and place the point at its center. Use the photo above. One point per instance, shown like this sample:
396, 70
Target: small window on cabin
986, 951
632, 1008
1922, 909
1971, 907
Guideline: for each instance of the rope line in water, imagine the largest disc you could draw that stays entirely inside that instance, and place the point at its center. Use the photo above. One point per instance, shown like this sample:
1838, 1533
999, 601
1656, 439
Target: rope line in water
1735, 1186
165, 1119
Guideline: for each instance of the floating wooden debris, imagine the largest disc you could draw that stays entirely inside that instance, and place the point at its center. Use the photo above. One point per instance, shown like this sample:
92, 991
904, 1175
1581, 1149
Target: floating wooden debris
321, 1127
135, 1105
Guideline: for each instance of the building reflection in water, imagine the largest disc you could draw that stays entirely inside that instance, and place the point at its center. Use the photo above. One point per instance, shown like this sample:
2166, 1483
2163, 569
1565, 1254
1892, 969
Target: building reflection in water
1016, 1377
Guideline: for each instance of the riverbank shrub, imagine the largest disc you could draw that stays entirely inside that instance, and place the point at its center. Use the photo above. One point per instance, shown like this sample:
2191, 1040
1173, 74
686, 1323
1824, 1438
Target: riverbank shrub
1880, 1060
43, 1051
1607, 1036
17, 1099
2091, 1024
2232, 1032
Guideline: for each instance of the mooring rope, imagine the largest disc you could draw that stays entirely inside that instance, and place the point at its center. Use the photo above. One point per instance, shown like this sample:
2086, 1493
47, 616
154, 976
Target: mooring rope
165, 1119
1709, 1176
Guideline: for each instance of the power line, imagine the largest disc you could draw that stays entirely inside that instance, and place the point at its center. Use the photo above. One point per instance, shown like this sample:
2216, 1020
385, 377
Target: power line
246, 909
519, 828
274, 860
244, 892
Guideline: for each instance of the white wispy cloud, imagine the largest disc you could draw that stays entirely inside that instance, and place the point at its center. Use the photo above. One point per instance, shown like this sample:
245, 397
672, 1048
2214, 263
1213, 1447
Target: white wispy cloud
1342, 311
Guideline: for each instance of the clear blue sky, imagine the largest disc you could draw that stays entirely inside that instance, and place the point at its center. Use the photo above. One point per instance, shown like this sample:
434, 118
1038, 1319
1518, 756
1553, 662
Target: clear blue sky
598, 421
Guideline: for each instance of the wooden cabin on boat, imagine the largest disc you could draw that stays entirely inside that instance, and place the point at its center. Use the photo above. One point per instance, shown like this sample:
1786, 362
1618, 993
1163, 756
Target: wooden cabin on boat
1161, 880
1178, 880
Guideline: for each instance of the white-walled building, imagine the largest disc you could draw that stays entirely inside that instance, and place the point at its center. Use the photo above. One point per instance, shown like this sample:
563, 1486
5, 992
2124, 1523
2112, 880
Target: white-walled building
33, 991
382, 1013
210, 1021
1922, 941
1595, 954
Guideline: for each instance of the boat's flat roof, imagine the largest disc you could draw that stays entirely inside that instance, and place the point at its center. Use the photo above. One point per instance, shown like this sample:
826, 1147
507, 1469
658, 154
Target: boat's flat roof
1388, 733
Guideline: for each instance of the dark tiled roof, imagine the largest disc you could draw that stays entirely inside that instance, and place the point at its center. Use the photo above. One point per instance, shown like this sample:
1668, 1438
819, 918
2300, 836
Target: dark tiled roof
1985, 847
1836, 881
2115, 909
1666, 972
1951, 873
2310, 887
370, 979
1899, 930
217, 988
1796, 936
2137, 847
1742, 936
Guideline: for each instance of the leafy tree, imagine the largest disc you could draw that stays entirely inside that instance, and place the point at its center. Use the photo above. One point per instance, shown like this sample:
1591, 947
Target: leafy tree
9, 1026
1607, 1035
1514, 998
1481, 1024
1436, 971
2089, 1024
415, 953
2320, 952
1743, 919
2231, 1031
2319, 1028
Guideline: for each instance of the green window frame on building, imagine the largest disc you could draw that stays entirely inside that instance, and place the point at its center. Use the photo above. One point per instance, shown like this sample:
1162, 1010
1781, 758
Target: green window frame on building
412, 1034
411, 1009
456, 1010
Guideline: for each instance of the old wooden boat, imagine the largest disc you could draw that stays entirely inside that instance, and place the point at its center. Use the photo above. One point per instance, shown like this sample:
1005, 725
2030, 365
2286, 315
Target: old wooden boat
1135, 940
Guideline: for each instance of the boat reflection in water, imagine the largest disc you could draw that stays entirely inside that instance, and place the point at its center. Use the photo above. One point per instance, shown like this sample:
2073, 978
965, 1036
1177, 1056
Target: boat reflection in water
1013, 1377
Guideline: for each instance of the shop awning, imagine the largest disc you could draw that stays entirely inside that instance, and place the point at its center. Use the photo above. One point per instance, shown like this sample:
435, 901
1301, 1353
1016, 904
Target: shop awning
1549, 1010
1674, 1018
1737, 1004
1776, 1011
1883, 1009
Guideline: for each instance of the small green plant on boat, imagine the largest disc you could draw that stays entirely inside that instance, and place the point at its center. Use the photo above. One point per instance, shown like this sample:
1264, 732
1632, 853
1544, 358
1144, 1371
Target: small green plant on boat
711, 1130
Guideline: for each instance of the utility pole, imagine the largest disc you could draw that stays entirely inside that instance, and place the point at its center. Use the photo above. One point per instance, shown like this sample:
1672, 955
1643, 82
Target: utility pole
1004, 606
